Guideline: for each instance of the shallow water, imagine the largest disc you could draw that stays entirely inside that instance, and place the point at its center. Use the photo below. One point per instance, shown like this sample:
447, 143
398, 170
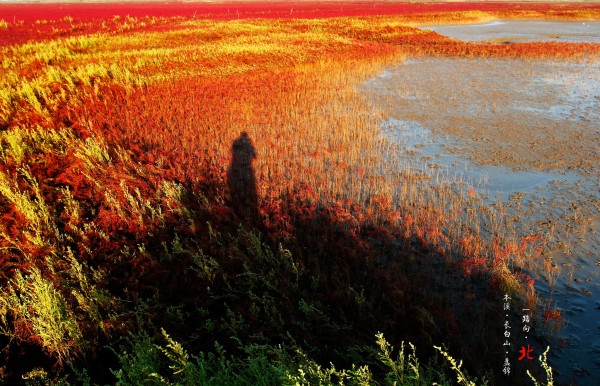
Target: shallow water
523, 31
498, 181
547, 114
526, 129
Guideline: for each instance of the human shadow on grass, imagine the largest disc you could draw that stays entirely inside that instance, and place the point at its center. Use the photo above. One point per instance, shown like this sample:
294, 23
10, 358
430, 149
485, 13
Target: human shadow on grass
308, 277
302, 272
241, 179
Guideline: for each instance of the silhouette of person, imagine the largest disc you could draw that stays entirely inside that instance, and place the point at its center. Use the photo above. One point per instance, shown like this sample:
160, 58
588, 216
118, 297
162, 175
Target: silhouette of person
241, 179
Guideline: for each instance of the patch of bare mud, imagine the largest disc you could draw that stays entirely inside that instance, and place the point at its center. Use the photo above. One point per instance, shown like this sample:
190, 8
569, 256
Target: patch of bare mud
523, 31
511, 113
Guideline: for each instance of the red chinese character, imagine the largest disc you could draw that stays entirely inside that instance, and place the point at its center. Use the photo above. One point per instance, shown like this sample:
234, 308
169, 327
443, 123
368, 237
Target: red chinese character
525, 352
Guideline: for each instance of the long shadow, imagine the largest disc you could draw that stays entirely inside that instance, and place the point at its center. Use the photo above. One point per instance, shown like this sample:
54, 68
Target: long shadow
307, 278
241, 180
320, 284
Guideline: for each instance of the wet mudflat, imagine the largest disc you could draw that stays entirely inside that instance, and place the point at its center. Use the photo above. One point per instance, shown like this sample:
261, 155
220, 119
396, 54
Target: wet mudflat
520, 31
527, 133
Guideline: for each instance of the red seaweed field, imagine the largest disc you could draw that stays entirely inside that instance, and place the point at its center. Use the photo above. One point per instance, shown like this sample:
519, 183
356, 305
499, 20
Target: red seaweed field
271, 9
196, 193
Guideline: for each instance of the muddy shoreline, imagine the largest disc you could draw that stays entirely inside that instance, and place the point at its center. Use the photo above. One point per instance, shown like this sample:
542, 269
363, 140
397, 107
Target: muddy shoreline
532, 129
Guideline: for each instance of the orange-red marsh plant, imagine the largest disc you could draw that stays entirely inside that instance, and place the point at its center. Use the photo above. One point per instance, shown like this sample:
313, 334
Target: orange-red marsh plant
118, 212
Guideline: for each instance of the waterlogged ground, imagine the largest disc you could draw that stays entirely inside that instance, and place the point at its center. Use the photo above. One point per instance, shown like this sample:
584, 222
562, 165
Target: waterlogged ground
519, 31
528, 134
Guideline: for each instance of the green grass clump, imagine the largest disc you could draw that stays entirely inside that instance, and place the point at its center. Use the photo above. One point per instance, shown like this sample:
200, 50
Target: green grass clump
170, 364
544, 363
31, 301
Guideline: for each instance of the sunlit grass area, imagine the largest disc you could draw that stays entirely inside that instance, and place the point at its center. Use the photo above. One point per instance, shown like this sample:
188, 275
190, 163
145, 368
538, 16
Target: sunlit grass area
130, 253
